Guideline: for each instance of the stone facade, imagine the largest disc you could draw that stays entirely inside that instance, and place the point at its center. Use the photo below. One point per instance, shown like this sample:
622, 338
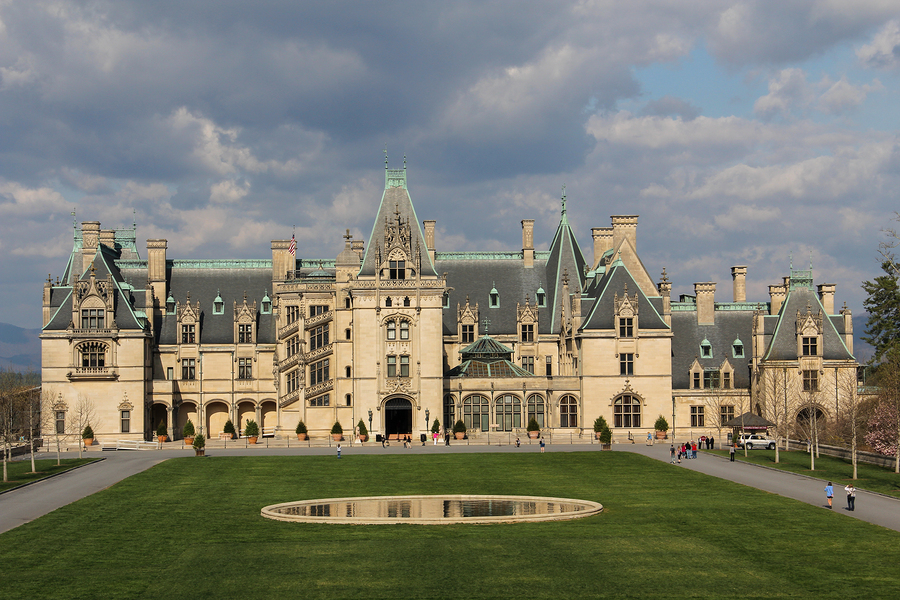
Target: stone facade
397, 334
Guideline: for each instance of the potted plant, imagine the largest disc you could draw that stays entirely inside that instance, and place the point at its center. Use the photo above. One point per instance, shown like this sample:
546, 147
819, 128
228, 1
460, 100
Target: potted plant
229, 429
435, 430
534, 430
87, 436
162, 432
188, 433
605, 437
599, 425
301, 430
459, 430
337, 432
363, 432
661, 426
199, 445
251, 431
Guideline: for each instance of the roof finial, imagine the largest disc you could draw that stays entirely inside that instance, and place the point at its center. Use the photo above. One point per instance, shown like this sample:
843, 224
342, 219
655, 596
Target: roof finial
810, 260
792, 260
665, 276
404, 162
74, 225
385, 157
487, 324
564, 199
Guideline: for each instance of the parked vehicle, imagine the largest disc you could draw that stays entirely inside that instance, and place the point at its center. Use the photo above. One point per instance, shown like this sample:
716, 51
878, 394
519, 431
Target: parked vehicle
756, 440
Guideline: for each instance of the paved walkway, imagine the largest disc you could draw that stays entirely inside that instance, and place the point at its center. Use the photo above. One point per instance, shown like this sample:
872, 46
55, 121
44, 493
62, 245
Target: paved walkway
33, 501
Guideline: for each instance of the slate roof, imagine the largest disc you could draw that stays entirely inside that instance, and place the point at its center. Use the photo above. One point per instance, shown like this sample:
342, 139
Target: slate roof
783, 343
486, 357
602, 313
729, 326
748, 420
565, 257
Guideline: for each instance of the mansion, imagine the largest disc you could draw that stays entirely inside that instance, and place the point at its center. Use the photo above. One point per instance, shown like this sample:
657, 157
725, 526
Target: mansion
398, 334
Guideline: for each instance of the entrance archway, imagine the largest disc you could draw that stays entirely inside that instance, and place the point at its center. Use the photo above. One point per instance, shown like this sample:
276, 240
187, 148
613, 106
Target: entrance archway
808, 421
159, 414
398, 416
186, 411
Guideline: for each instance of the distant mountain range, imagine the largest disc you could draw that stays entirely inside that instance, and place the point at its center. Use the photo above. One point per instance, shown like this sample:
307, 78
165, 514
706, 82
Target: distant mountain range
20, 349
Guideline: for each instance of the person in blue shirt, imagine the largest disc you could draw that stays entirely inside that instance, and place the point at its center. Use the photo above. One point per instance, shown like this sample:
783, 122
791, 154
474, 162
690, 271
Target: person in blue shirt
829, 493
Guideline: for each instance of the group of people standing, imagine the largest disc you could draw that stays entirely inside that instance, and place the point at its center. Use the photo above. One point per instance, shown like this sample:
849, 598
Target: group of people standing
851, 495
686, 450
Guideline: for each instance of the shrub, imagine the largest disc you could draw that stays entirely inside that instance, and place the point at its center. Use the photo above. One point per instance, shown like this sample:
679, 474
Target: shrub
436, 426
362, 428
459, 427
661, 424
88, 433
533, 425
600, 424
199, 442
336, 429
161, 429
251, 429
605, 434
229, 428
188, 430
301, 427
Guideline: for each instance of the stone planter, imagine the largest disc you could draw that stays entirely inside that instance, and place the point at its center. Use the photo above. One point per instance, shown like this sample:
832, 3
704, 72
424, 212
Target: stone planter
363, 438
301, 437
188, 441
88, 442
200, 451
337, 436
534, 434
161, 438
606, 446
660, 435
460, 435
252, 440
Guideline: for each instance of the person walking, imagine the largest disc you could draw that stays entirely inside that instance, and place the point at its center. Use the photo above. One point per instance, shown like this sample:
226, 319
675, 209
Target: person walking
518, 443
693, 449
851, 496
731, 452
542, 444
339, 450
649, 439
672, 454
829, 494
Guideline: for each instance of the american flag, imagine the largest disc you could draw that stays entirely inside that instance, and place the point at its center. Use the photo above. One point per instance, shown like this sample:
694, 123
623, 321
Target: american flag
293, 247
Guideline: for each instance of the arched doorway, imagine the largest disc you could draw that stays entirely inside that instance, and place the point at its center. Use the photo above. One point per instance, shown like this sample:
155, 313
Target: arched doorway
268, 415
216, 416
246, 412
398, 416
811, 423
159, 414
186, 411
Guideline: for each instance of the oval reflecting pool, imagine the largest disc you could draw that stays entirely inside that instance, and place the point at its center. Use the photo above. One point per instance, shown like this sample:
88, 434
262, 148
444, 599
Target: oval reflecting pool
432, 510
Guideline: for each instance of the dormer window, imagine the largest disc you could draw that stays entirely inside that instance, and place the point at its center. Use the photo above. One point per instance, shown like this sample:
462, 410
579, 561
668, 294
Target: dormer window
737, 349
188, 334
494, 298
170, 305
245, 333
541, 297
397, 269
266, 304
218, 305
706, 349
810, 346
626, 327
92, 318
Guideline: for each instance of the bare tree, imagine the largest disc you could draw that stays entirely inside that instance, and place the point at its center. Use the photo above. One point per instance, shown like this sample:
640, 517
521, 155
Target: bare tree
772, 397
83, 414
808, 422
13, 403
848, 422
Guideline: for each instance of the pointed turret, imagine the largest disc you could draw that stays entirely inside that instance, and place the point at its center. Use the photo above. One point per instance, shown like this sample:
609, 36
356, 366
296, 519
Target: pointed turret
565, 256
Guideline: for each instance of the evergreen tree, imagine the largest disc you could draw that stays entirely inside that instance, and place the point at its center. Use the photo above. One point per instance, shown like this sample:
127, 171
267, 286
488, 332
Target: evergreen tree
883, 305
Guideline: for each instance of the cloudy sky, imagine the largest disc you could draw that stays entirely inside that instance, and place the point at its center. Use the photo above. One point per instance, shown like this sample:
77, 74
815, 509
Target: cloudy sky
740, 132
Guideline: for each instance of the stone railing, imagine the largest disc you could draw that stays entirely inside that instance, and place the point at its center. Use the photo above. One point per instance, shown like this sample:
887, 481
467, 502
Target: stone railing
93, 373
320, 388
290, 361
318, 319
318, 353
289, 398
289, 329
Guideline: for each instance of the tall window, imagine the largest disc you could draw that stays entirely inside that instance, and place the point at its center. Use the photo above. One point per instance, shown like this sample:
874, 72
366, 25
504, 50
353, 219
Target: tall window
317, 309
810, 346
187, 334
391, 366
319, 372
810, 381
528, 364
404, 366
476, 412
626, 364
293, 381
92, 318
536, 409
726, 413
404, 330
93, 355
188, 368
318, 337
528, 333
391, 330
449, 411
508, 410
468, 334
696, 380
548, 367
568, 412
245, 368
125, 419
293, 313
293, 345
726, 380
627, 411
60, 421
398, 269
697, 417
626, 327
245, 333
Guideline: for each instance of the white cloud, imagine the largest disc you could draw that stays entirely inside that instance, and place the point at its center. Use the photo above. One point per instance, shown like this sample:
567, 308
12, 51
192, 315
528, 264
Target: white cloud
746, 217
884, 51
18, 201
842, 96
228, 191
786, 91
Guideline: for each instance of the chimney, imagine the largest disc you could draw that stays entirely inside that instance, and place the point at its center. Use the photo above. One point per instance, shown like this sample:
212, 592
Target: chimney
90, 238
528, 242
848, 327
776, 294
282, 261
739, 277
156, 269
665, 290
625, 227
429, 238
706, 303
108, 238
826, 297
603, 241
359, 246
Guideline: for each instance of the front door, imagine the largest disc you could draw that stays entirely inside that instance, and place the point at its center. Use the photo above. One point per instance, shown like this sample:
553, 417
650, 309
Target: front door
398, 416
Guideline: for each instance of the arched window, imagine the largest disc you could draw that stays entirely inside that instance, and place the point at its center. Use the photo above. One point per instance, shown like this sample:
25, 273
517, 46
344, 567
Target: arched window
536, 409
404, 330
476, 412
406, 301
627, 411
93, 355
388, 303
509, 412
449, 411
568, 411
391, 330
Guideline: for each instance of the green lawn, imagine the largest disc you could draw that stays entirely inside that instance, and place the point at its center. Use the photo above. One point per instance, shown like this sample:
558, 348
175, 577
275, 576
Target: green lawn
19, 472
191, 528
838, 470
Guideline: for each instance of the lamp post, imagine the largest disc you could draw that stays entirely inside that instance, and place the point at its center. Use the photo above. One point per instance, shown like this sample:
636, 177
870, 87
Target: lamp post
427, 414
370, 421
